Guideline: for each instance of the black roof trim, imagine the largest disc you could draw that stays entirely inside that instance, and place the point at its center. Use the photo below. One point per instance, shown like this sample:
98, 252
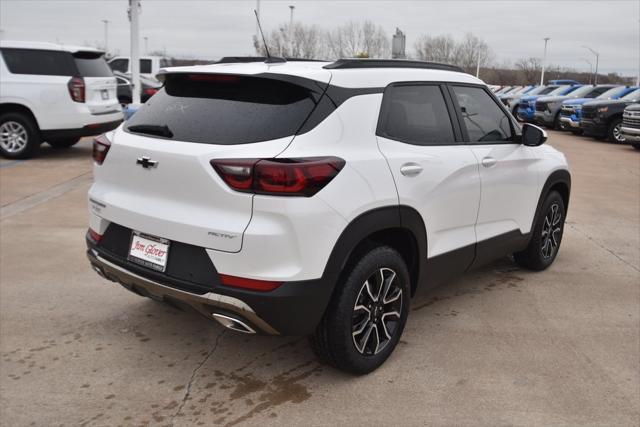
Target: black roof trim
342, 64
245, 59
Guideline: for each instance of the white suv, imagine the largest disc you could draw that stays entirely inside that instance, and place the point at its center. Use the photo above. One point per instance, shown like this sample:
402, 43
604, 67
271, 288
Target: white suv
315, 198
54, 93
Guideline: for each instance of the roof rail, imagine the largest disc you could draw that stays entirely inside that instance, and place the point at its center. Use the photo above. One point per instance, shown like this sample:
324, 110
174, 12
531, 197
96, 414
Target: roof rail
245, 59
342, 64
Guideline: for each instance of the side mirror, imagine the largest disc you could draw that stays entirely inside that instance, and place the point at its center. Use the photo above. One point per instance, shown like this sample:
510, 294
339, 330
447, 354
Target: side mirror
532, 135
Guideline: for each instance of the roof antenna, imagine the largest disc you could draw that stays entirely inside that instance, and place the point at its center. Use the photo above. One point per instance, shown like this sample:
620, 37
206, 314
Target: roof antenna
270, 59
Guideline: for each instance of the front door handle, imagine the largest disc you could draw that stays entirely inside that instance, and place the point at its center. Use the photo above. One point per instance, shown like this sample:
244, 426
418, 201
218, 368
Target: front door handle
410, 169
487, 162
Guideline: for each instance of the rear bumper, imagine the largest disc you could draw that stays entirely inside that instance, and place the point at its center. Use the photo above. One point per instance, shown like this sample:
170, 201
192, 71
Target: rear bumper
631, 135
294, 308
88, 130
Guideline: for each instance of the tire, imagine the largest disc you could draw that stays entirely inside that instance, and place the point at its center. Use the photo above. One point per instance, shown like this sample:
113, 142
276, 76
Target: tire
337, 341
19, 136
557, 125
614, 134
542, 250
63, 143
124, 101
576, 131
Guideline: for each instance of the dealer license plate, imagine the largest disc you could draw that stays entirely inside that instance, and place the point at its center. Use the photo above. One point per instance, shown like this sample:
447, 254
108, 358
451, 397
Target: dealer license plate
149, 251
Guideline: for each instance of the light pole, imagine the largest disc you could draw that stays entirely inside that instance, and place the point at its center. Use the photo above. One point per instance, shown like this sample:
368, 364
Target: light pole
544, 60
146, 45
134, 11
106, 34
291, 31
590, 68
595, 79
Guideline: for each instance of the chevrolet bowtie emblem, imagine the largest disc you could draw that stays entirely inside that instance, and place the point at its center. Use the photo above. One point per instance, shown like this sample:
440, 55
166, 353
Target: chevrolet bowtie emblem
146, 162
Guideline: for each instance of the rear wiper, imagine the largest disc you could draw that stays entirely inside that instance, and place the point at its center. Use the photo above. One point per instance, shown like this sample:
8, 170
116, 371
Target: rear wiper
152, 130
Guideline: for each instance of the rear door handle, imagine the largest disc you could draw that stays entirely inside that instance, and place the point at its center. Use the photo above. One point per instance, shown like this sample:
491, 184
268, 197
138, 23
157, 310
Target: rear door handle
487, 162
410, 169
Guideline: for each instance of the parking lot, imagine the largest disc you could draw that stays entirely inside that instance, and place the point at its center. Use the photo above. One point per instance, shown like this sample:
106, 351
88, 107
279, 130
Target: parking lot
500, 346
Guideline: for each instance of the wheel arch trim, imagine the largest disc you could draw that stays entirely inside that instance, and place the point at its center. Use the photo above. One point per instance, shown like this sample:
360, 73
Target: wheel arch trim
374, 221
558, 178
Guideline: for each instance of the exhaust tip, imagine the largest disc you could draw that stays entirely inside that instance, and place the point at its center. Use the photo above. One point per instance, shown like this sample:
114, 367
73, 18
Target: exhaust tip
233, 323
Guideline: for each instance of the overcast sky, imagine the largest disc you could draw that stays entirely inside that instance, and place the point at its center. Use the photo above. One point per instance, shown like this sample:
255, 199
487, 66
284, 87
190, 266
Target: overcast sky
211, 29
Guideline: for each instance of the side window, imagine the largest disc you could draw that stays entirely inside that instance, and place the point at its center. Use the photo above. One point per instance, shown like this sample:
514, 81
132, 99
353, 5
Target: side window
415, 114
145, 66
119, 65
484, 120
39, 62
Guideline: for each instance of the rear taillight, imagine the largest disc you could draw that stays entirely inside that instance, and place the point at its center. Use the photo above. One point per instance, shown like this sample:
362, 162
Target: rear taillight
150, 91
251, 284
279, 177
94, 236
101, 145
76, 89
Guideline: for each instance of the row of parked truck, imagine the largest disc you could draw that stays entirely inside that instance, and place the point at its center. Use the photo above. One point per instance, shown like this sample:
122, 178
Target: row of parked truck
603, 111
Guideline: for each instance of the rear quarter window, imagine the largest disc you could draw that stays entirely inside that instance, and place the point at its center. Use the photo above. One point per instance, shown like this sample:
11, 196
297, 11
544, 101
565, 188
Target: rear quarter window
39, 62
224, 109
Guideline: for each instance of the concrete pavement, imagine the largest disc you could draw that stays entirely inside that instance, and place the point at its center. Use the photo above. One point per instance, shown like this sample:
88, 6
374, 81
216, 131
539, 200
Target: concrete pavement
500, 346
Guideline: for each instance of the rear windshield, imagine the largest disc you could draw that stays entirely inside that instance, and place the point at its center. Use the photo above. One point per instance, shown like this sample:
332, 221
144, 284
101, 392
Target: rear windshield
91, 64
223, 109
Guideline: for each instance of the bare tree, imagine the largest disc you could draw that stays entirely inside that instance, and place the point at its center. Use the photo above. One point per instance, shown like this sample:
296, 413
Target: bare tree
437, 49
472, 50
530, 69
306, 42
465, 53
354, 39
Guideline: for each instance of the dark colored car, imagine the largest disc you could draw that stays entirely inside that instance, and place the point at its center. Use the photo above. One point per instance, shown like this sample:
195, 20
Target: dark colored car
548, 107
603, 119
631, 125
149, 88
571, 110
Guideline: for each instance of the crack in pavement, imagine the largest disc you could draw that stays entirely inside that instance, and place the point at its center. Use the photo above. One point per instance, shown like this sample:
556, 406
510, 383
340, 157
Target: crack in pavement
193, 376
572, 226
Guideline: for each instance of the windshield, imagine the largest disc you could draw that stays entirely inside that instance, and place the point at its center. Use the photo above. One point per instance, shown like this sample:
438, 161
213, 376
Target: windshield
613, 93
633, 96
582, 91
558, 90
546, 90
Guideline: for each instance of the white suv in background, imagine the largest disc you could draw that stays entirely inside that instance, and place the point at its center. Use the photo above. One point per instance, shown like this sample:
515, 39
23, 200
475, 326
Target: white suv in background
53, 93
149, 65
315, 198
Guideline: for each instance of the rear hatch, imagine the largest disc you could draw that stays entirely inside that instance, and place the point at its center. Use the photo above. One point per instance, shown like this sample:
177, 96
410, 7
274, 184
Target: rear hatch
193, 119
100, 84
